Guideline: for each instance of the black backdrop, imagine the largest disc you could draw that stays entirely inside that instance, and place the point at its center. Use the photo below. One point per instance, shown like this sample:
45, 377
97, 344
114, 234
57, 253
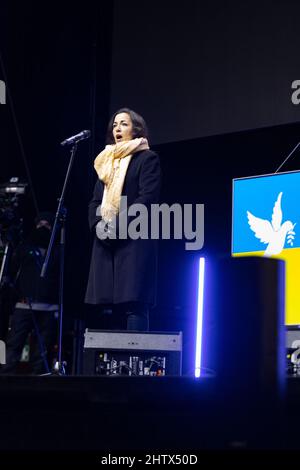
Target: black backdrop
57, 64
208, 67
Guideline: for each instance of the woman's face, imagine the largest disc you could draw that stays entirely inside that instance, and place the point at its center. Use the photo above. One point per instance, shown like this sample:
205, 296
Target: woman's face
122, 127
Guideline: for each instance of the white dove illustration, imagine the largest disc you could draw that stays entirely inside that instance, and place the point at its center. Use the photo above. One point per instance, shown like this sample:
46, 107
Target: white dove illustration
273, 233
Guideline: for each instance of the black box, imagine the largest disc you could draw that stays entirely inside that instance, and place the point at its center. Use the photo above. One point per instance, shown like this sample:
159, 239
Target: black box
132, 353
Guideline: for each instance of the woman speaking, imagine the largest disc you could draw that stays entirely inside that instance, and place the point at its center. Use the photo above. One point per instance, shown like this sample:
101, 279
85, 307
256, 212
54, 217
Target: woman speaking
123, 271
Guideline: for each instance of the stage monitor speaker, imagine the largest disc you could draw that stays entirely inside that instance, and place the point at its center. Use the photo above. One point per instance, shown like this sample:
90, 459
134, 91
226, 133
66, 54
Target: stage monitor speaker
110, 353
249, 317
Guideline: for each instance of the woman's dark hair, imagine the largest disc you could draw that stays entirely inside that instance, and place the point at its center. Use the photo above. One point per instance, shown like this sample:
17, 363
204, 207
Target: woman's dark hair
139, 127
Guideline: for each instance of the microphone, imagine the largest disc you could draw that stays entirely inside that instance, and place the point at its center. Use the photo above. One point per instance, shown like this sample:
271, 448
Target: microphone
76, 138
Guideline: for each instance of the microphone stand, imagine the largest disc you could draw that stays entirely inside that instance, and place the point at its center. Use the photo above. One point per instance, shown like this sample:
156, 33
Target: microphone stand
289, 155
60, 222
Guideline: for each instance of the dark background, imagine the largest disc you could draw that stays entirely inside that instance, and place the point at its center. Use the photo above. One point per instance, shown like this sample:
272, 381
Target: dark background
208, 67
213, 81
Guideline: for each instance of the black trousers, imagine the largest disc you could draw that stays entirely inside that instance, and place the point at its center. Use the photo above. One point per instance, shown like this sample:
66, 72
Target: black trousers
131, 316
43, 327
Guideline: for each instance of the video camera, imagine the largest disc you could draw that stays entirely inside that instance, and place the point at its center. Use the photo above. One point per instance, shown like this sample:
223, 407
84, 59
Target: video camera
10, 219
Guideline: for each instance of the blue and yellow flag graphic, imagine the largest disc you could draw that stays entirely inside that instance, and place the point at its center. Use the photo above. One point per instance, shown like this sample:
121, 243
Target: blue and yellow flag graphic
266, 222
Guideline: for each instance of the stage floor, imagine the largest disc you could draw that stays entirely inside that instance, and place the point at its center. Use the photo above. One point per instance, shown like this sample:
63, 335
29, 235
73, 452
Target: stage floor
72, 413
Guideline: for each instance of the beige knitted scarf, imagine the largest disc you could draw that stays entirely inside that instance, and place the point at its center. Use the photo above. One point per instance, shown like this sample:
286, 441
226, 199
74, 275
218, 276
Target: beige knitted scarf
111, 166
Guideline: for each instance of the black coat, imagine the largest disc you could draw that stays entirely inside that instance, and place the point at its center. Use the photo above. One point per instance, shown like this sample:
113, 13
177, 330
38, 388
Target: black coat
126, 270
